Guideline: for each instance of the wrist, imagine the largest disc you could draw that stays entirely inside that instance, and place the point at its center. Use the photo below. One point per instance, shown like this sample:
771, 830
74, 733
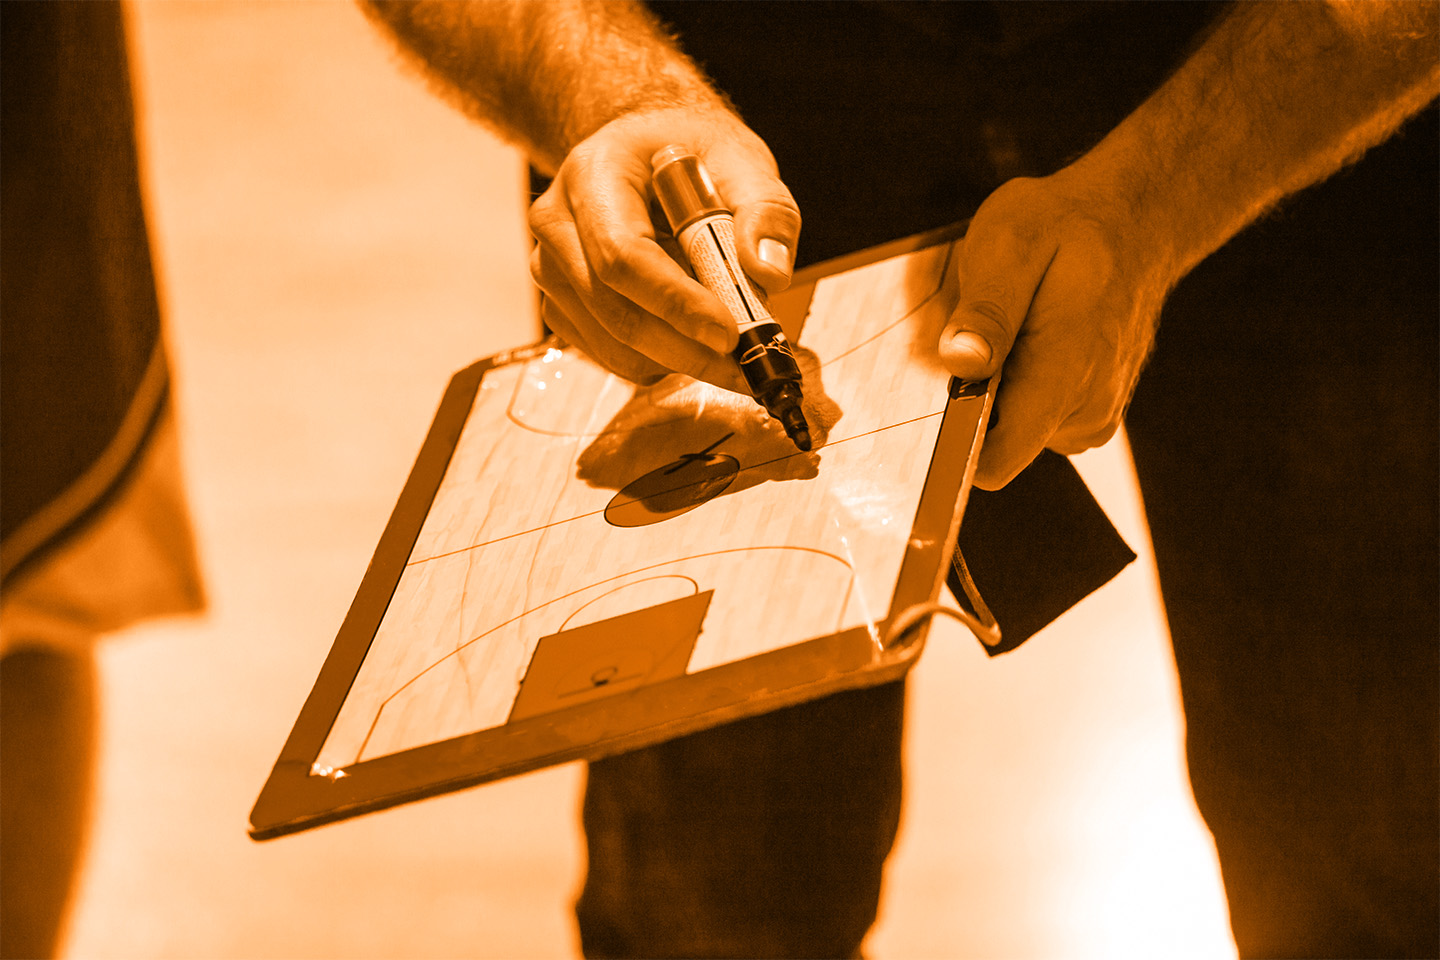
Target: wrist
1142, 218
678, 91
628, 141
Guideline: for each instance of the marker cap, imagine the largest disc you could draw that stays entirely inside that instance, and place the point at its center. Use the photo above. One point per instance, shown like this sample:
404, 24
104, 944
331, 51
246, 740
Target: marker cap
683, 187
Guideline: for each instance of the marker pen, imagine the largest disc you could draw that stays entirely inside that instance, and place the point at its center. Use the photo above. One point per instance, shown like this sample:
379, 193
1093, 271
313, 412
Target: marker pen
706, 231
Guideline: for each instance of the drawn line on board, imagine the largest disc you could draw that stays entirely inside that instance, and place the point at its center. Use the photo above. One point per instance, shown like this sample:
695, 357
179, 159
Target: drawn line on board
612, 379
685, 458
510, 415
939, 286
500, 626
595, 513
694, 589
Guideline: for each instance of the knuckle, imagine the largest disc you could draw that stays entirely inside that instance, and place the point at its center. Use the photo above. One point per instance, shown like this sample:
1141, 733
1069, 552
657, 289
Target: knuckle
1084, 434
1071, 446
1017, 187
997, 254
1066, 446
583, 153
556, 320
634, 367
989, 306
779, 212
617, 358
1101, 435
626, 370
997, 474
675, 310
624, 323
612, 263
1011, 207
543, 215
994, 227
693, 366
987, 313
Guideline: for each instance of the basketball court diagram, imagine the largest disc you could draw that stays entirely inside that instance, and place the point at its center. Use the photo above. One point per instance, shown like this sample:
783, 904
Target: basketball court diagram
590, 536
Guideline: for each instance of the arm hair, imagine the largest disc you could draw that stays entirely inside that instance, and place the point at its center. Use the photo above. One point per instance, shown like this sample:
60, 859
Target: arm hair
544, 74
1279, 96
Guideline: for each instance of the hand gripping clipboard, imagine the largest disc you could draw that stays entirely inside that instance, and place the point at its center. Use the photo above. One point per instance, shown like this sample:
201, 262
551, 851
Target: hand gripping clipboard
577, 567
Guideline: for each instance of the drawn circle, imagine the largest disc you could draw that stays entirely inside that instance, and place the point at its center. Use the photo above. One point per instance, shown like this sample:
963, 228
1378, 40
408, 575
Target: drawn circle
634, 595
672, 490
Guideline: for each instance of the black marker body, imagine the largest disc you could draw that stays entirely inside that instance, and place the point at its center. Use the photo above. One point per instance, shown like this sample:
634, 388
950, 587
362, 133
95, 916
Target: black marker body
706, 232
769, 366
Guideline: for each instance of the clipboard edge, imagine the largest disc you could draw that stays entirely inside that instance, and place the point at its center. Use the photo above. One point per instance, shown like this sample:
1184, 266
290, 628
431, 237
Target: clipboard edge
289, 803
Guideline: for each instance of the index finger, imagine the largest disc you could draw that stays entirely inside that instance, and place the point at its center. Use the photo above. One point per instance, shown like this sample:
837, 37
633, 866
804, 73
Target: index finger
612, 217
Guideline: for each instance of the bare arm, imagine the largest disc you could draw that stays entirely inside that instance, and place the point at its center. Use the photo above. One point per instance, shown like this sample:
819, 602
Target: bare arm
592, 90
1278, 97
545, 74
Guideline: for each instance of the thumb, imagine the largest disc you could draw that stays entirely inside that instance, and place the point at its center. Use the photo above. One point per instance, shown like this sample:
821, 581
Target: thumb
998, 280
767, 226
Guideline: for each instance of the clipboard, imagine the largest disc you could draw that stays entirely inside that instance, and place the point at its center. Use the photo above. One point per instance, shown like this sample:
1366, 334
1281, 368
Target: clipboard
577, 567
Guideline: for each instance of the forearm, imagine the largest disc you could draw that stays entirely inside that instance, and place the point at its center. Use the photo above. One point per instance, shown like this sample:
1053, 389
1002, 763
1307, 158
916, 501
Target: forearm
545, 73
1278, 97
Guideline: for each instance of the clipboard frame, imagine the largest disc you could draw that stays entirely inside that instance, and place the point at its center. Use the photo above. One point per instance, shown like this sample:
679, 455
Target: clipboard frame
298, 795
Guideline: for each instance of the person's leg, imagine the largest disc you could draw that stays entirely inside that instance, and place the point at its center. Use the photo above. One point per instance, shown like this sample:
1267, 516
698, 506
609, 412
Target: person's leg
47, 746
1285, 438
763, 838
133, 560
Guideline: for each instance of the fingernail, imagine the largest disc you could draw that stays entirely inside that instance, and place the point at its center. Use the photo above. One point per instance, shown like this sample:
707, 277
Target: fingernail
966, 341
774, 254
714, 336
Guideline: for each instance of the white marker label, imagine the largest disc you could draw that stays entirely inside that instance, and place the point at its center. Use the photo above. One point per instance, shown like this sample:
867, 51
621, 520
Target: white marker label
709, 245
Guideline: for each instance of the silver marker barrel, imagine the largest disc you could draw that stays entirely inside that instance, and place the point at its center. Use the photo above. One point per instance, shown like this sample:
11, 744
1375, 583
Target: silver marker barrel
706, 231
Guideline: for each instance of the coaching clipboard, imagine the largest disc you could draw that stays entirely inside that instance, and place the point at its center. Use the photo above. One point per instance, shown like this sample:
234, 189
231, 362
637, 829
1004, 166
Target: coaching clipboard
577, 567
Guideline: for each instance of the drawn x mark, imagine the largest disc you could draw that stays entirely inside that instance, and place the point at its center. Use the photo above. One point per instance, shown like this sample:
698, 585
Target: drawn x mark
685, 458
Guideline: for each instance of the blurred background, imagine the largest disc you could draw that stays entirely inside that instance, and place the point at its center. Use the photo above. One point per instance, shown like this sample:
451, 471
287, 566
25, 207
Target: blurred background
332, 242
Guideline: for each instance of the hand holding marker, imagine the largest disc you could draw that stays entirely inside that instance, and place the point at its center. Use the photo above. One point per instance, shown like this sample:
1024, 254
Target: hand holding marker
706, 231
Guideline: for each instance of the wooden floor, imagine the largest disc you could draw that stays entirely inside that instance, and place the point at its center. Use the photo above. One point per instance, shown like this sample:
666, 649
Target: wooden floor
333, 242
